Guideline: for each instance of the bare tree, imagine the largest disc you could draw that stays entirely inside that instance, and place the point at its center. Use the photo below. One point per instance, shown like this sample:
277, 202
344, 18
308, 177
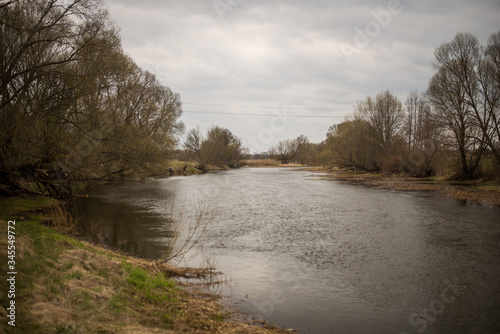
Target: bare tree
40, 36
456, 119
384, 113
489, 74
475, 69
287, 150
421, 136
6, 3
412, 104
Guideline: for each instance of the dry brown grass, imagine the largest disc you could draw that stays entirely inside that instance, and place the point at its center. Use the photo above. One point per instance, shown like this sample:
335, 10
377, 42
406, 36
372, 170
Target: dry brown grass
62, 219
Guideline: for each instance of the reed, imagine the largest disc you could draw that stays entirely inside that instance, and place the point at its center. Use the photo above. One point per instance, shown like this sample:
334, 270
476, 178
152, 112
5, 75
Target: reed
63, 219
187, 228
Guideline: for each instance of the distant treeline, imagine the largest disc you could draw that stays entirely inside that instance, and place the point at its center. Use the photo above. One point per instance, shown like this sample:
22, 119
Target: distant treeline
452, 128
73, 105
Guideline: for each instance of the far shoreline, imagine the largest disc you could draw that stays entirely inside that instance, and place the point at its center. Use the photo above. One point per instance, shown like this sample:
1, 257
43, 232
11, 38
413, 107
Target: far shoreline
479, 191
483, 192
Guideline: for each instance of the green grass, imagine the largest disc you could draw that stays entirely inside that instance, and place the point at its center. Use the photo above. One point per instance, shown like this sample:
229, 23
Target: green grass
118, 303
75, 275
154, 288
12, 207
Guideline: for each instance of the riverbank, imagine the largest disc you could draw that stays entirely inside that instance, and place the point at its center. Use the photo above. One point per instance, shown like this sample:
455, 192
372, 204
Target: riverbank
185, 168
475, 191
190, 167
263, 163
67, 285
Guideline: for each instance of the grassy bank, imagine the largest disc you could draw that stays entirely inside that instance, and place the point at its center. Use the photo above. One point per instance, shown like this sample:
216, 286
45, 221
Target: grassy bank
65, 285
485, 192
183, 167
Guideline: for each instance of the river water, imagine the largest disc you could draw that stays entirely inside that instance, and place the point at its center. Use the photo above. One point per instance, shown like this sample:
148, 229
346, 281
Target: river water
321, 256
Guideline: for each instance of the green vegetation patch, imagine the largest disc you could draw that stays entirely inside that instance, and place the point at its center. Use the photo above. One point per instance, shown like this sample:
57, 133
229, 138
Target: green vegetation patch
11, 207
155, 288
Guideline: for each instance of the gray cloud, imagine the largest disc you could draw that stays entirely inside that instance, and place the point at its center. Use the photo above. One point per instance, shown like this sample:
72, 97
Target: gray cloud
290, 54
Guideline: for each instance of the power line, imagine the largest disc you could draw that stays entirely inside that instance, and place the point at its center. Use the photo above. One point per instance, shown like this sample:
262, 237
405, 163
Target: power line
268, 115
263, 107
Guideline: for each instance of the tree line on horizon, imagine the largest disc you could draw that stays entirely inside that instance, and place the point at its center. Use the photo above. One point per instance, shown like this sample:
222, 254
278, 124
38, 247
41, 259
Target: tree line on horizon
451, 128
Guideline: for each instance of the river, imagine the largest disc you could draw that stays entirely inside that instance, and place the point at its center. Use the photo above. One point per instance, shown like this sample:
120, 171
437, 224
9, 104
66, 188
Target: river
321, 256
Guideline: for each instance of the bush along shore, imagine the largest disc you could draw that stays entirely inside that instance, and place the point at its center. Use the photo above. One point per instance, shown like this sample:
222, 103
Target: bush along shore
61, 284
485, 192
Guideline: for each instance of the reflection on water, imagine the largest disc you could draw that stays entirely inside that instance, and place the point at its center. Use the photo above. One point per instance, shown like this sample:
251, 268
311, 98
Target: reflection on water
131, 217
323, 257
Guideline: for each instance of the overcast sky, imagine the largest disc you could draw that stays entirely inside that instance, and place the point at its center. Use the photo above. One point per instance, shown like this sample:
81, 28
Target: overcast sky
231, 58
